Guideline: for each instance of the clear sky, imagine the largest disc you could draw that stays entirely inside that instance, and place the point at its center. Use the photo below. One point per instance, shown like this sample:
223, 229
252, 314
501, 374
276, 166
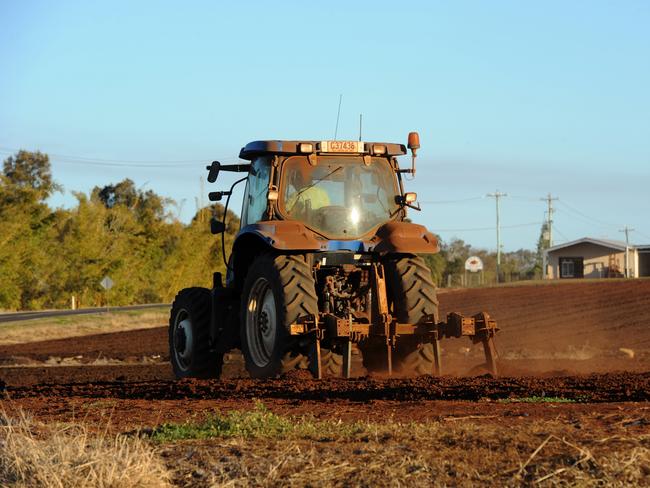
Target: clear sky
527, 98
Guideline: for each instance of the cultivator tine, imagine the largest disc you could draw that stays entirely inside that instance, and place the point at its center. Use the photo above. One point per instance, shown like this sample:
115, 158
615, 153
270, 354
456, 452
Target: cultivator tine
490, 355
485, 330
315, 359
389, 359
347, 358
437, 367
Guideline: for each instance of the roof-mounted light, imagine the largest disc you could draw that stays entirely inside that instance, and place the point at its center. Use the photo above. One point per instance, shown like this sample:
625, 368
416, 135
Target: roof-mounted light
378, 149
306, 147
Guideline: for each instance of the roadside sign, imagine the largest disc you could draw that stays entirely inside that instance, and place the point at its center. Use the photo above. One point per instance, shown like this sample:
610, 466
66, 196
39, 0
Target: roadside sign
106, 283
474, 264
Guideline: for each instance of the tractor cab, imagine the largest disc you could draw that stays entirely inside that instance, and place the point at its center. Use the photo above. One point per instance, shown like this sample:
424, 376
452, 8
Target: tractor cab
338, 191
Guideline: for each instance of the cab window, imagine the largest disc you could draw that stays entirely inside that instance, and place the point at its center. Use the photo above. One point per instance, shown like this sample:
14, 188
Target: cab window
257, 190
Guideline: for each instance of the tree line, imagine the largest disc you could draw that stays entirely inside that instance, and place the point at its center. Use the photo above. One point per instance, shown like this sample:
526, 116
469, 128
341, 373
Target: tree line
49, 255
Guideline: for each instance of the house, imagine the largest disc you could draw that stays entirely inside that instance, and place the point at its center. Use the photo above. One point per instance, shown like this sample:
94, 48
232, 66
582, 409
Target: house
596, 258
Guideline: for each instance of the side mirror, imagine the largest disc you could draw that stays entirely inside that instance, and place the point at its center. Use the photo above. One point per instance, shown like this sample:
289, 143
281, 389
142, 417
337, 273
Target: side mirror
217, 226
213, 171
216, 196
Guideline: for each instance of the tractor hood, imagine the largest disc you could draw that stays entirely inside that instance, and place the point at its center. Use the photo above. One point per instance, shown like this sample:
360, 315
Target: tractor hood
392, 237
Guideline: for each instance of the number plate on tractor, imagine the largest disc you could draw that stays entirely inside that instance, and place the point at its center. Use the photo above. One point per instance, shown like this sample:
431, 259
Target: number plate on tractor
341, 146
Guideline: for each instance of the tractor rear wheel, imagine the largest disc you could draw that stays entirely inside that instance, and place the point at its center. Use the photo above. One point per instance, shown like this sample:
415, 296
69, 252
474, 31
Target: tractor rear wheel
277, 291
189, 329
411, 296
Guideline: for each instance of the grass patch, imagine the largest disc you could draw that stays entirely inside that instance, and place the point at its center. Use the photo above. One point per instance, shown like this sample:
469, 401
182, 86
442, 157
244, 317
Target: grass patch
259, 422
537, 399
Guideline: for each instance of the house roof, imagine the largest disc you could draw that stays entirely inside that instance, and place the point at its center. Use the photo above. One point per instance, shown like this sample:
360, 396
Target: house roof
608, 243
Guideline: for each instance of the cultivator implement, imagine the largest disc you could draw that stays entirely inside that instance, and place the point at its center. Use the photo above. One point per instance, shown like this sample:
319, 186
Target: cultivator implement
341, 334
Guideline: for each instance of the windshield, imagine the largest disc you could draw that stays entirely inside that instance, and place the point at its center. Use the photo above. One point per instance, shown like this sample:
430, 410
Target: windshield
340, 196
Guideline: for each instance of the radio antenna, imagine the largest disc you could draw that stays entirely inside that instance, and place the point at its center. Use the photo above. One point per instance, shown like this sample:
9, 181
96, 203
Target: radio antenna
338, 115
360, 125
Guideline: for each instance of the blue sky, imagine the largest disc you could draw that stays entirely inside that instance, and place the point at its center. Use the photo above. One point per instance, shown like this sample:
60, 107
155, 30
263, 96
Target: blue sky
527, 98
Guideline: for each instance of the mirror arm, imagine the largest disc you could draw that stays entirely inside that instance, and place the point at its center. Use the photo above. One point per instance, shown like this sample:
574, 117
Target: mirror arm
414, 207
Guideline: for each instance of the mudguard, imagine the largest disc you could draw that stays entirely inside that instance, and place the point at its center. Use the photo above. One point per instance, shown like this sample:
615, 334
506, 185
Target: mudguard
392, 237
404, 237
287, 235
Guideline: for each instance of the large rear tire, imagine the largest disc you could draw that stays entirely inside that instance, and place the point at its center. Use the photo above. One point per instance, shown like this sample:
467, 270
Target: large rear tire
277, 291
189, 333
411, 296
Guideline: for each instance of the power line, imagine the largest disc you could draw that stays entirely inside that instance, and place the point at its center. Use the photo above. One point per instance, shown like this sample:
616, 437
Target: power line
566, 239
514, 226
116, 162
528, 199
645, 236
575, 210
442, 202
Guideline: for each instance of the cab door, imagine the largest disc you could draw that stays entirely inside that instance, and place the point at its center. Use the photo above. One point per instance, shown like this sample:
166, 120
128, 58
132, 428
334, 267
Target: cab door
256, 194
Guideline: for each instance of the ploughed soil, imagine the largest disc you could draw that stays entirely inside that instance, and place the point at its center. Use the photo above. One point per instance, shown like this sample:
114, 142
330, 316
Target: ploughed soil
571, 405
562, 328
141, 403
585, 343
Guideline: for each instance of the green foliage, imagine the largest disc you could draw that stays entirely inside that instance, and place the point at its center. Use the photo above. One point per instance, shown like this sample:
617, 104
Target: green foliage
256, 423
449, 265
46, 255
543, 243
538, 399
29, 174
259, 422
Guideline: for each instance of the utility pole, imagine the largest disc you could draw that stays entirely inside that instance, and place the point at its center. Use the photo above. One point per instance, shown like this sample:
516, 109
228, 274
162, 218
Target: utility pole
627, 231
497, 195
549, 219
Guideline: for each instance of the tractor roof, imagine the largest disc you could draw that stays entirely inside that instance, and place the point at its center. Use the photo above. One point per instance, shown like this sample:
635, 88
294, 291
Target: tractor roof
257, 148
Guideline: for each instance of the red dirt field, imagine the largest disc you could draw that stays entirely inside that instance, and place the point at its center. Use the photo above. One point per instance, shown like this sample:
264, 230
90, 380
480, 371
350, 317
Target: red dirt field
550, 330
563, 374
572, 327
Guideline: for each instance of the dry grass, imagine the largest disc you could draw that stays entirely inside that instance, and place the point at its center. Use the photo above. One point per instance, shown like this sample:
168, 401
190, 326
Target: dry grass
79, 325
259, 448
35, 455
470, 453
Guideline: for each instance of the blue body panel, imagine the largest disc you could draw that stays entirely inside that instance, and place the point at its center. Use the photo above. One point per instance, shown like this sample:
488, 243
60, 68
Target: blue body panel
354, 246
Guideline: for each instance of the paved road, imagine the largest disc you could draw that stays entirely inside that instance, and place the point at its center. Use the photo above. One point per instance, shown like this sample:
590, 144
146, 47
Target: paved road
18, 316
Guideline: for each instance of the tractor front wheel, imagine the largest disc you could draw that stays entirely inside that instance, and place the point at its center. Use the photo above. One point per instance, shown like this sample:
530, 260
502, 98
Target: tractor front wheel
189, 329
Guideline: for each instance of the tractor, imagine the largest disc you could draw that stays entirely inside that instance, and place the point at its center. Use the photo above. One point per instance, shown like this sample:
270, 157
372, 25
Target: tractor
325, 264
